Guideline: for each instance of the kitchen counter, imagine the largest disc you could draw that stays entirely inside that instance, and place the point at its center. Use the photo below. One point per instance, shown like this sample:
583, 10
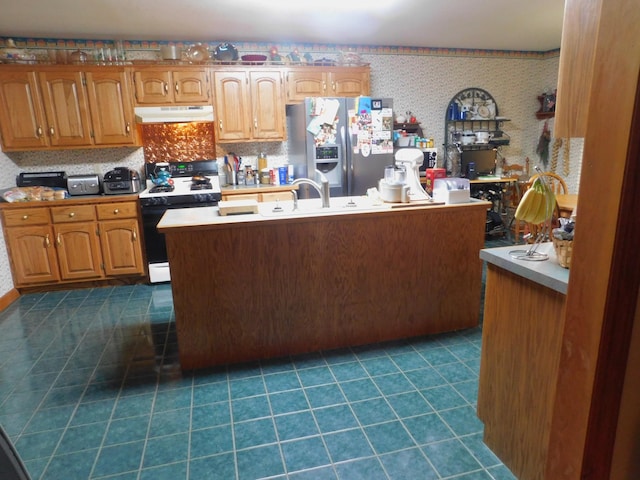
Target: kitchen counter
274, 284
75, 199
547, 273
522, 330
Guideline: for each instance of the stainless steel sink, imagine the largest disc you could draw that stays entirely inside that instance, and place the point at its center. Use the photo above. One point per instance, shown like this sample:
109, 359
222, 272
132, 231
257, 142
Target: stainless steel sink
313, 207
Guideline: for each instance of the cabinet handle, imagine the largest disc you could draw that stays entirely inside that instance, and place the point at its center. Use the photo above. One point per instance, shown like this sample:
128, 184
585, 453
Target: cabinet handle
46, 240
255, 123
135, 234
58, 240
324, 86
39, 131
177, 89
72, 214
220, 123
52, 132
25, 217
116, 211
128, 128
166, 87
333, 86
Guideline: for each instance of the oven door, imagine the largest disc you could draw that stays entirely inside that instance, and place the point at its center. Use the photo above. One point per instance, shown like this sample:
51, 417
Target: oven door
154, 241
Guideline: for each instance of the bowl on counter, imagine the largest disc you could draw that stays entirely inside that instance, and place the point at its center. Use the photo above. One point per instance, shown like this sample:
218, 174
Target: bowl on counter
253, 59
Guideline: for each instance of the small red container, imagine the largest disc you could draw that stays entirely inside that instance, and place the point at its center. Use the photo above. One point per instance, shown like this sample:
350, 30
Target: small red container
431, 174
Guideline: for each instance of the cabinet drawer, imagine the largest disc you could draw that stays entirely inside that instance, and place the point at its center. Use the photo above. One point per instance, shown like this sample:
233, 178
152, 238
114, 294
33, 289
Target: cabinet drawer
26, 216
112, 211
75, 213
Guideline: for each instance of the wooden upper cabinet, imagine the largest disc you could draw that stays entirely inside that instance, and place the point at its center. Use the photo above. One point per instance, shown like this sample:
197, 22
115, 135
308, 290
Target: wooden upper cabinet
577, 54
232, 105
249, 105
184, 86
22, 118
349, 81
304, 82
66, 107
111, 107
267, 101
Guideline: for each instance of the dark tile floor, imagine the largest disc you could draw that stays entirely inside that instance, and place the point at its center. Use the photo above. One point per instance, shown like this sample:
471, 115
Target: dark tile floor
91, 388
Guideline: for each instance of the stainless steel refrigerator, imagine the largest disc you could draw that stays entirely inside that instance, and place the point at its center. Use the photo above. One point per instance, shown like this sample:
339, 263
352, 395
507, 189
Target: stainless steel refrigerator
350, 140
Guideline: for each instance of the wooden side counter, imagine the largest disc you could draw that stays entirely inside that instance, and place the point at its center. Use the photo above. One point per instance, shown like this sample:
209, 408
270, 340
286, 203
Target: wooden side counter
249, 287
521, 338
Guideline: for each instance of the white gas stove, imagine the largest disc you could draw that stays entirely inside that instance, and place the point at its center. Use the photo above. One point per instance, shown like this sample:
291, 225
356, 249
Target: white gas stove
191, 184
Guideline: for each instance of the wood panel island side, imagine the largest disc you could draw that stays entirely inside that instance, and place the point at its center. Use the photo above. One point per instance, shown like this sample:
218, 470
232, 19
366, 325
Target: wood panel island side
248, 287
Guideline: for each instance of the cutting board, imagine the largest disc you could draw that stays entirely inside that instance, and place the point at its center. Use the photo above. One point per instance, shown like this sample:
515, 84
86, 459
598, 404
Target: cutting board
238, 207
416, 203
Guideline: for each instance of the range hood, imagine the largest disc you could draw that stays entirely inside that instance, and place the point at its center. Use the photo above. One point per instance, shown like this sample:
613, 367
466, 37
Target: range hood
174, 114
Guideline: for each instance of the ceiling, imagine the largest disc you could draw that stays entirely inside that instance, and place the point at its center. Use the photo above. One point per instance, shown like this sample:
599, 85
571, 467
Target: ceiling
487, 24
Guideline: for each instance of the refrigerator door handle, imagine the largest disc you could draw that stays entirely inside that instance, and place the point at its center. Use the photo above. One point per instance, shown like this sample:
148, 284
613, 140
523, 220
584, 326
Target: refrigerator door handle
347, 165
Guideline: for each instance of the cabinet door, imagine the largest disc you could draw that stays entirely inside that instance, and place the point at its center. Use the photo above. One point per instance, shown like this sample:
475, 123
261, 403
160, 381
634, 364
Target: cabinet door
121, 250
66, 107
111, 107
232, 106
153, 87
304, 82
22, 118
191, 87
32, 254
349, 82
267, 105
78, 250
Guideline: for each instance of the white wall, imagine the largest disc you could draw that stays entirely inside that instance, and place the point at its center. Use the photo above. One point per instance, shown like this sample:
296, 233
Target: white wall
423, 84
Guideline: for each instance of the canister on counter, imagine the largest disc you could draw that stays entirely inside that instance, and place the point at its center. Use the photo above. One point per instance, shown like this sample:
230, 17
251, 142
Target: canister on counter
262, 161
282, 175
249, 175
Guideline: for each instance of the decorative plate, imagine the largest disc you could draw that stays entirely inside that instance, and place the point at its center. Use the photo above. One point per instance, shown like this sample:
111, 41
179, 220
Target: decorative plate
483, 111
225, 52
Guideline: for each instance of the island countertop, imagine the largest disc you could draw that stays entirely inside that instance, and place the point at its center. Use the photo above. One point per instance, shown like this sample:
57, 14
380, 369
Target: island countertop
209, 217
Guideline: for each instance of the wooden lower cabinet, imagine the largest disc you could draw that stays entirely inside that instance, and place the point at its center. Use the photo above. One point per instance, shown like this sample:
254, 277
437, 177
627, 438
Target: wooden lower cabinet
33, 255
121, 250
78, 250
73, 242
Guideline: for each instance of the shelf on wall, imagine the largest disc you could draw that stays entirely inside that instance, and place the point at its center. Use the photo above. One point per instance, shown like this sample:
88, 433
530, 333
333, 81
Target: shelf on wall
542, 114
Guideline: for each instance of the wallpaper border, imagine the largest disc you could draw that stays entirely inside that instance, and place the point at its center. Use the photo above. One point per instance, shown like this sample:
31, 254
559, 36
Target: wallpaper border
148, 45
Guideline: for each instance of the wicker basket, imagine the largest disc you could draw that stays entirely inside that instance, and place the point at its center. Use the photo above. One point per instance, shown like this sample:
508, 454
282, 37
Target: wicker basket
563, 251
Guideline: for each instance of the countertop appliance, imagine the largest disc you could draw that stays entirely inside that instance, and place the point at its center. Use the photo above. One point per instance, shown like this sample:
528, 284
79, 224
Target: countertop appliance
350, 140
83, 184
191, 184
121, 180
42, 179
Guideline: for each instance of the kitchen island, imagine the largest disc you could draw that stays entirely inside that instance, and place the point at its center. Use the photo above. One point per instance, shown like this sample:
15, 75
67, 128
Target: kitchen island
271, 284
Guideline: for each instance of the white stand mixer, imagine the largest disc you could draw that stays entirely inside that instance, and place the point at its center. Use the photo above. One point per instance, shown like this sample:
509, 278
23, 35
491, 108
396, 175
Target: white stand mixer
412, 159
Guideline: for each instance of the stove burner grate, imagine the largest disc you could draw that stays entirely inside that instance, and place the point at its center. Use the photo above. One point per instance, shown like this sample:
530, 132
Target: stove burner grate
202, 186
161, 189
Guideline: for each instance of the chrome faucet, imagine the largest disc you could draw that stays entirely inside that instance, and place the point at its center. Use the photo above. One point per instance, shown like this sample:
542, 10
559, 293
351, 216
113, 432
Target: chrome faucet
322, 188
